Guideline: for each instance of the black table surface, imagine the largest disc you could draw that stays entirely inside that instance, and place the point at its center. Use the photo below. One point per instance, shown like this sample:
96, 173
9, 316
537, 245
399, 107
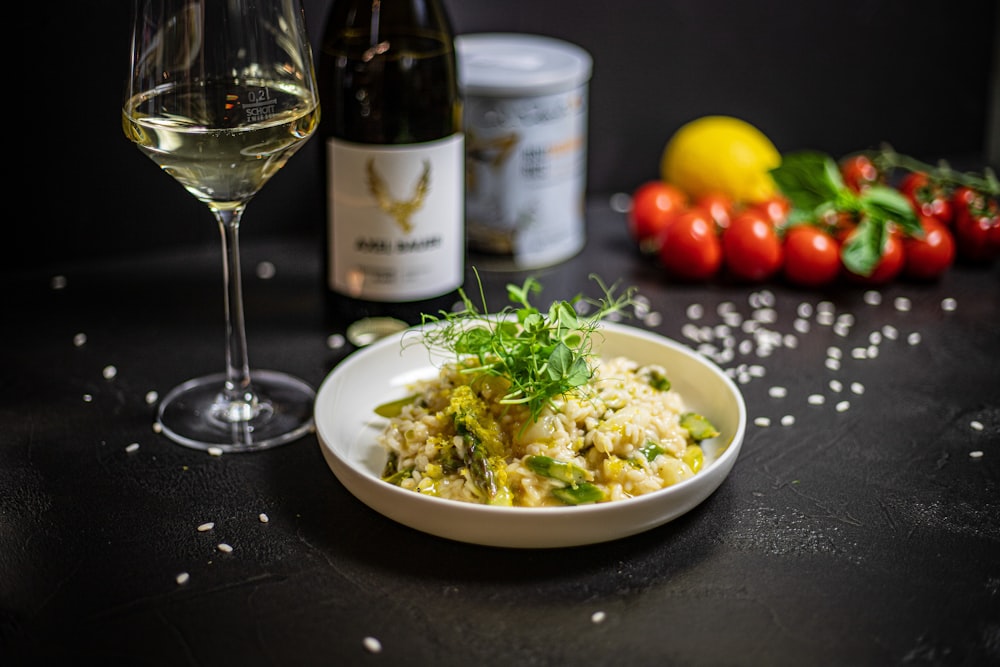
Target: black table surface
863, 530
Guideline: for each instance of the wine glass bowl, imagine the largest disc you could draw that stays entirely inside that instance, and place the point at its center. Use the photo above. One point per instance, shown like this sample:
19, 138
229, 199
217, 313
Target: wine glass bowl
220, 95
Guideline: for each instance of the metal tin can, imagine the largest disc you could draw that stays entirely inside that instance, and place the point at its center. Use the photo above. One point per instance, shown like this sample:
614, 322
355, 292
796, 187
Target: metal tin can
525, 122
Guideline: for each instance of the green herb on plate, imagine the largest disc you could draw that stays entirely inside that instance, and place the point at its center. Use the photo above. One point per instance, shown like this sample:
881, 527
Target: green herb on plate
541, 355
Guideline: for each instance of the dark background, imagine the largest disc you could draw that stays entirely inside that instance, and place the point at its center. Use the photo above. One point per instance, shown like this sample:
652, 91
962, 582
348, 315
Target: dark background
833, 76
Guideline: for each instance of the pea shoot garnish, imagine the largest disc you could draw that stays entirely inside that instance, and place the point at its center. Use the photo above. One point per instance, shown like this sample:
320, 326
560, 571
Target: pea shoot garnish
541, 355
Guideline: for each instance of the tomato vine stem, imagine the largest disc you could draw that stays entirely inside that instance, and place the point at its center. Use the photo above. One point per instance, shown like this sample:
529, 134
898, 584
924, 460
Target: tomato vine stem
886, 159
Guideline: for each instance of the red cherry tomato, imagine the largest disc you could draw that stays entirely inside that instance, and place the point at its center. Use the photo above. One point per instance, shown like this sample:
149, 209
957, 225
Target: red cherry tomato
888, 266
689, 247
859, 172
751, 248
928, 197
928, 257
654, 204
719, 207
812, 257
775, 209
976, 225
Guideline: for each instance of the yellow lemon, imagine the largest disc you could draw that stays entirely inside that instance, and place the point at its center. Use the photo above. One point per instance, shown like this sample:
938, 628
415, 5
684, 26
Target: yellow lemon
723, 155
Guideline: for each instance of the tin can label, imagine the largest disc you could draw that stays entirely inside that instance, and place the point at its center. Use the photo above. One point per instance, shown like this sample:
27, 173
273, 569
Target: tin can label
525, 176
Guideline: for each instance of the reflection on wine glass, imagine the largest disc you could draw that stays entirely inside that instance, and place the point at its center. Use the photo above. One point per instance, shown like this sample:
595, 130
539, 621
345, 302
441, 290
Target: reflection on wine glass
221, 95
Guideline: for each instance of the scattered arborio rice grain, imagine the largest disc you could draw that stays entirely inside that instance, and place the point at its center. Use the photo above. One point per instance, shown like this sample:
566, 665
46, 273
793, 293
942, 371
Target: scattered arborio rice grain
183, 578
265, 270
205, 527
225, 548
372, 645
133, 447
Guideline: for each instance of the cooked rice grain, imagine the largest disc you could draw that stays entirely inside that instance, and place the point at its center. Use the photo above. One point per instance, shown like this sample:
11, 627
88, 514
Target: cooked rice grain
600, 429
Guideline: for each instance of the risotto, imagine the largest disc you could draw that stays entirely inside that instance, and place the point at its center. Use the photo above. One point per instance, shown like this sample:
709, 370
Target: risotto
623, 434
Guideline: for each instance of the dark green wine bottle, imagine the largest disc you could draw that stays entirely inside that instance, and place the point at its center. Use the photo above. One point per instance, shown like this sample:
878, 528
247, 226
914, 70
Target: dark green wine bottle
393, 164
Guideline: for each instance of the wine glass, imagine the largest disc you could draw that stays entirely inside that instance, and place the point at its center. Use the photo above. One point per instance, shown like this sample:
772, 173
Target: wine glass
221, 93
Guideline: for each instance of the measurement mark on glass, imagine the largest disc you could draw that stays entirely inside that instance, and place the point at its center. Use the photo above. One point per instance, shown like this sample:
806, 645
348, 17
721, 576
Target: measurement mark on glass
259, 105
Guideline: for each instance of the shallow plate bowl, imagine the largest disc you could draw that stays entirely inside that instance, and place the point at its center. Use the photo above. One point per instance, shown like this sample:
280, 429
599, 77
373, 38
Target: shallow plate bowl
348, 428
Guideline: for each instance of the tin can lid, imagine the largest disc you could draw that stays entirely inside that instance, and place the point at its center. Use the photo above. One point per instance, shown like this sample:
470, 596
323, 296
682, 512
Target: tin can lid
519, 64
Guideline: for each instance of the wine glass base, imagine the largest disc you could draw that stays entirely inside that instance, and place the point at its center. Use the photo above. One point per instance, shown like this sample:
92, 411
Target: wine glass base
197, 415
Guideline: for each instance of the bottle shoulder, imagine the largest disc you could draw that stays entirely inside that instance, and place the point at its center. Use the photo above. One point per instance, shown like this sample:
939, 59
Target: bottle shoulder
362, 20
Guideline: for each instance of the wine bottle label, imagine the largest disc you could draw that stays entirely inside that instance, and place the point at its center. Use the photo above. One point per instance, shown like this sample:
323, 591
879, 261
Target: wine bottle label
396, 219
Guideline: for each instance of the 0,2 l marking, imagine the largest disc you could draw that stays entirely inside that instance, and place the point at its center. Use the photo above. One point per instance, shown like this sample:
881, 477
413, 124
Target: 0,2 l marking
260, 106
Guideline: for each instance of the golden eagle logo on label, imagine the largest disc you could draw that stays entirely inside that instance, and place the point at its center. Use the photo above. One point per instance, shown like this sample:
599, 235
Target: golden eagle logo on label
401, 210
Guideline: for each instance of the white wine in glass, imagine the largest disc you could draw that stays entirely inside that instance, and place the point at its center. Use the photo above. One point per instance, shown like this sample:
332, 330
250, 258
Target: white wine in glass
220, 94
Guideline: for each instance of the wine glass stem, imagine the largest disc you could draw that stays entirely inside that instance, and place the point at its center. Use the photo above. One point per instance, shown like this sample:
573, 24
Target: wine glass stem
239, 400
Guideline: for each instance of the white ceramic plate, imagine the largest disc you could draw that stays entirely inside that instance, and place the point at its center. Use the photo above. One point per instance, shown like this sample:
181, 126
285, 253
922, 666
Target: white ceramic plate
348, 427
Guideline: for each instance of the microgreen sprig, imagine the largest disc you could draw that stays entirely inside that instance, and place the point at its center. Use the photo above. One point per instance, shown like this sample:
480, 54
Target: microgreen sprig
541, 355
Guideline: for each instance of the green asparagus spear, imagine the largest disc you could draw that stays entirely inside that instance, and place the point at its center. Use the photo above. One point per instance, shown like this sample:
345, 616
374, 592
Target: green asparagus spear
392, 473
651, 450
578, 490
483, 446
699, 427
564, 471
394, 408
579, 494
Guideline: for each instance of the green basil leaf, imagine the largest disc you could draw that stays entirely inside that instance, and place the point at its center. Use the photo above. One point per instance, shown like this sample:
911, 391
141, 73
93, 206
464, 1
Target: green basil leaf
863, 250
885, 203
808, 179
